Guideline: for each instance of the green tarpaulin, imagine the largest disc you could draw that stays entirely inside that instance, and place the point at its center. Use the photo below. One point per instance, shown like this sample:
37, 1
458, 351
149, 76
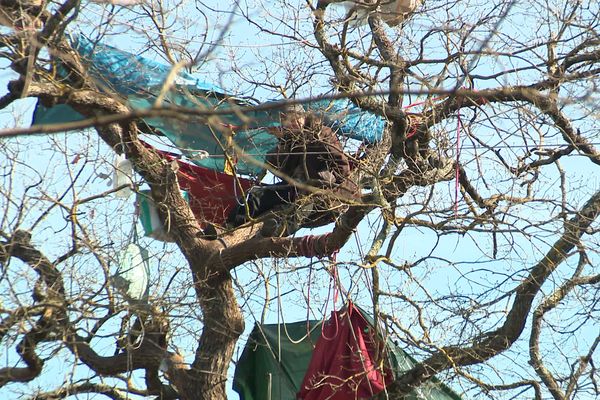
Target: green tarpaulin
276, 358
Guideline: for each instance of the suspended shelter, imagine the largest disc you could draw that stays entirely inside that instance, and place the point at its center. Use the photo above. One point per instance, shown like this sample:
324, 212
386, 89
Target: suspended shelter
337, 360
236, 131
233, 143
140, 81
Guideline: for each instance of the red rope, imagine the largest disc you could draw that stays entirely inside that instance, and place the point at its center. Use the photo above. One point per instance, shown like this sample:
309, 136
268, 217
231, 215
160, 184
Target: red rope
314, 246
332, 283
412, 125
418, 103
308, 302
413, 121
303, 246
334, 279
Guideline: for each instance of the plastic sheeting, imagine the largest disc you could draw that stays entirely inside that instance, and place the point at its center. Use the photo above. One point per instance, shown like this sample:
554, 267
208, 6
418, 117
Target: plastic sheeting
122, 175
140, 81
153, 226
242, 135
349, 120
133, 273
276, 357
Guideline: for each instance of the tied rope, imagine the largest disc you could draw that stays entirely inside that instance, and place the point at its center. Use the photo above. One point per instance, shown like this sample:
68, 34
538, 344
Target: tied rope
413, 120
333, 283
413, 125
314, 246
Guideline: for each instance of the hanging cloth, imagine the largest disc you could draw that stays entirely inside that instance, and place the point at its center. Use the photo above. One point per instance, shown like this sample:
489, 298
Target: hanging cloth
347, 362
151, 222
212, 194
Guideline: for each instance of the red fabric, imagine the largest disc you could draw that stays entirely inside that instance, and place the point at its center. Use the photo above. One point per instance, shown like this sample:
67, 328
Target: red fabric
212, 194
346, 363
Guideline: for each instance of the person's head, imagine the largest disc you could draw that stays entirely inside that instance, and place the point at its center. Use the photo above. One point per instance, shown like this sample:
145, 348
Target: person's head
293, 117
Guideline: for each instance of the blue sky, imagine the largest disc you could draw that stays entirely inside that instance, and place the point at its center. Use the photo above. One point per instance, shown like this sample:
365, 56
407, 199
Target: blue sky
456, 262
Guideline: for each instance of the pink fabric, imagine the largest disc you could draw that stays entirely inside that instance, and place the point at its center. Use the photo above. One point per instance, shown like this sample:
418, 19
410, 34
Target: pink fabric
347, 360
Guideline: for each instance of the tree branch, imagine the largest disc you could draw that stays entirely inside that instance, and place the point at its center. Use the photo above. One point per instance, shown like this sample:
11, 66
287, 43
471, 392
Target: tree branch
493, 343
71, 390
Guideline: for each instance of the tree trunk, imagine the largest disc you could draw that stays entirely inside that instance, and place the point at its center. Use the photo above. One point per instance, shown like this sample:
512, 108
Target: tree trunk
223, 325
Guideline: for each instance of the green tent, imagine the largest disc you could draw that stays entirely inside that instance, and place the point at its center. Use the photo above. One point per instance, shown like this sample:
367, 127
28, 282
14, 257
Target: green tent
276, 358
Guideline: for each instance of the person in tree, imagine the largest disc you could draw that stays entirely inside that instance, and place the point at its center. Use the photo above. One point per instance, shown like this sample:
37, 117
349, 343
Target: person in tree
308, 155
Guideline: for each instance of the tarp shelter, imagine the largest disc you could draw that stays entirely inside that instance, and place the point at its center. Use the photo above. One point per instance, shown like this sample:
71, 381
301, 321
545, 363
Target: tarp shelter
140, 81
276, 357
275, 360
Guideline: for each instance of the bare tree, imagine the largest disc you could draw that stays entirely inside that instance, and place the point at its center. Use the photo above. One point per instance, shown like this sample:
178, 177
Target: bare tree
474, 240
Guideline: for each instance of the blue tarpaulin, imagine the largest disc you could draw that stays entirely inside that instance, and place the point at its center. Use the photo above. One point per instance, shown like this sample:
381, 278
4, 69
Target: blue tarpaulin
349, 120
140, 81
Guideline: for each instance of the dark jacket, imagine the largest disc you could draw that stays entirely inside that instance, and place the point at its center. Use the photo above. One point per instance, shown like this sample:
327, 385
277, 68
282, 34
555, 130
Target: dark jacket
314, 155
